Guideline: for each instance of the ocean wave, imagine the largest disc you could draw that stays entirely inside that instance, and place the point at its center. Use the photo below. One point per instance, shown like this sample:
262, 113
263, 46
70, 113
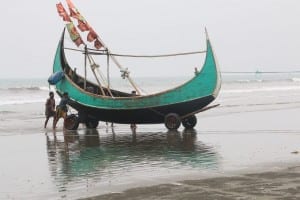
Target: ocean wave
295, 79
262, 80
260, 104
262, 89
6, 112
29, 88
244, 81
20, 102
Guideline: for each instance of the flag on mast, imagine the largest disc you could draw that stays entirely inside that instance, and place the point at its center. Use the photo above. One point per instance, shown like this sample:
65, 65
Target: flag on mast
84, 26
74, 13
62, 12
92, 35
74, 35
98, 44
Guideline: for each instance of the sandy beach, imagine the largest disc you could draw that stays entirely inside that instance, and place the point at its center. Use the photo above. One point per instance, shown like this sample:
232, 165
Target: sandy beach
244, 160
279, 184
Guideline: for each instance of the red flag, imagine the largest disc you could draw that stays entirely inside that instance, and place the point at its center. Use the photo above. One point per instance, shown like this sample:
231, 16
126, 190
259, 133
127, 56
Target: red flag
73, 11
70, 4
62, 12
78, 41
83, 25
98, 44
92, 35
75, 14
60, 8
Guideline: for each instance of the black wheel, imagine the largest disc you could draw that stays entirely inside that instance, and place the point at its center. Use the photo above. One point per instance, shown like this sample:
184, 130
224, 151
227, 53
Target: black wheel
92, 123
189, 122
172, 121
71, 122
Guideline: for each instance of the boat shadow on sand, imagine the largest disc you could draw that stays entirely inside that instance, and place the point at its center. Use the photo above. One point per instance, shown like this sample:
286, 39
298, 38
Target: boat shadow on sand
74, 156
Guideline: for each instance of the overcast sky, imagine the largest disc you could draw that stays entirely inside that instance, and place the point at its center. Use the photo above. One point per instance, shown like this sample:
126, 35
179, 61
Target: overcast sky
246, 35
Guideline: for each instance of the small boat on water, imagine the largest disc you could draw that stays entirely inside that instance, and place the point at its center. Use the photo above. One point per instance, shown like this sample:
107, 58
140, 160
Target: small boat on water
98, 102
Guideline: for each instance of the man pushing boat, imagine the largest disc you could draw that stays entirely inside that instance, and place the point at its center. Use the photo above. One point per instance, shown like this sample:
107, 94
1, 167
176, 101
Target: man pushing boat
61, 109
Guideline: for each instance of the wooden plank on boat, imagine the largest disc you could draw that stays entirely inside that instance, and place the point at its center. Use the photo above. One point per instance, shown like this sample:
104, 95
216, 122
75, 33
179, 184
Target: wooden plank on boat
201, 110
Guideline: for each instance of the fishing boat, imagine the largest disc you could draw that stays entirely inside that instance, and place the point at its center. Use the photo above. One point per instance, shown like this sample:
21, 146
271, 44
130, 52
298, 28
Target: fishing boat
98, 102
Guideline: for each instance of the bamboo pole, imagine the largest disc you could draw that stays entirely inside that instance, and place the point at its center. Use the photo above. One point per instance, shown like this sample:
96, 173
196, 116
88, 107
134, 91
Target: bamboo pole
119, 66
93, 70
85, 63
101, 88
108, 77
102, 77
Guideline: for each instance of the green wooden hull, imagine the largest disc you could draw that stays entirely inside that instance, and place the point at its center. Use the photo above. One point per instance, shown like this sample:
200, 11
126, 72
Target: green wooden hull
205, 85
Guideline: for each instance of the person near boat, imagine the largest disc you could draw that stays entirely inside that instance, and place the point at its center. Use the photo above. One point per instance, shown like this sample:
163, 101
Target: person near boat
133, 126
50, 108
61, 109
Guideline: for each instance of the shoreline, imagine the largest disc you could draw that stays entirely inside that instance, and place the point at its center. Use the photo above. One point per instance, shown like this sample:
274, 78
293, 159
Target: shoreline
260, 183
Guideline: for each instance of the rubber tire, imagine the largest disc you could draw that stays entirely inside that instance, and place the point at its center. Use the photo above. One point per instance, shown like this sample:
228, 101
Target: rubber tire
92, 123
189, 122
172, 121
71, 122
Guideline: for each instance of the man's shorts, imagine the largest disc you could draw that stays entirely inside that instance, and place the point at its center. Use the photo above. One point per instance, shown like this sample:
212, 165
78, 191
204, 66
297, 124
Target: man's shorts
50, 113
60, 113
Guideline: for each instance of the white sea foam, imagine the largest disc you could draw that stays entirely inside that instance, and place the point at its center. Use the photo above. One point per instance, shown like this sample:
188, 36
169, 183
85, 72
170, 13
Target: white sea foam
262, 89
19, 102
243, 81
31, 88
296, 79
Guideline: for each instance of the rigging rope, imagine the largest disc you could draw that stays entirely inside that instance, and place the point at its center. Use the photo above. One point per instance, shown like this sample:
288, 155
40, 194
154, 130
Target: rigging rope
116, 63
95, 68
124, 71
260, 72
104, 52
157, 56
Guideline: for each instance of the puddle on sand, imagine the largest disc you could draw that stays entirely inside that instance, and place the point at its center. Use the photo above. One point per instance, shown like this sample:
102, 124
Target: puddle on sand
92, 160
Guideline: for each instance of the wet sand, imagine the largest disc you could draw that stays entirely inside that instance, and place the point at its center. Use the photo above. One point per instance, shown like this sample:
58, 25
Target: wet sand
233, 153
280, 184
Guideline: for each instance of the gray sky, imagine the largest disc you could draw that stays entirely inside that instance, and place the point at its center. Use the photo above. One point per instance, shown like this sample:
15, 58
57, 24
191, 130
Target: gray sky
246, 35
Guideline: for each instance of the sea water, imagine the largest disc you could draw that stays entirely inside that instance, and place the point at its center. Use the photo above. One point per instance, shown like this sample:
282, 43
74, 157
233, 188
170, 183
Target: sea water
256, 123
24, 91
241, 91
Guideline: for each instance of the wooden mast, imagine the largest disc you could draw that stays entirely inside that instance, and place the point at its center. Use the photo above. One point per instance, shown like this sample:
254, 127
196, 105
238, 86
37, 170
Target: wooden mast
119, 66
85, 63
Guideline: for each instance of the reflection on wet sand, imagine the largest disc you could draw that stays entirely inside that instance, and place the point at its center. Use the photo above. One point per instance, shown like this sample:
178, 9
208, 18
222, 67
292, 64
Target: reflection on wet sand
76, 160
